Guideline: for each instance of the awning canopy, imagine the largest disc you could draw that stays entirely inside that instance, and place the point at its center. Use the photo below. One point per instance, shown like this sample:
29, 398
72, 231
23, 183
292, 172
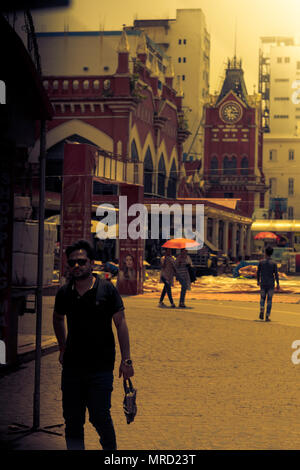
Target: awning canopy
280, 225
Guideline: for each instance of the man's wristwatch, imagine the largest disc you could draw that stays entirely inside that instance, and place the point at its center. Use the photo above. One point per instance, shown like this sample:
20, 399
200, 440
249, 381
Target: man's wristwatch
127, 362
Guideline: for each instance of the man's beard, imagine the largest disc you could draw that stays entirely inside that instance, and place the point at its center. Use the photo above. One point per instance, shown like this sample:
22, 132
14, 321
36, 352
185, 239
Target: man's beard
82, 276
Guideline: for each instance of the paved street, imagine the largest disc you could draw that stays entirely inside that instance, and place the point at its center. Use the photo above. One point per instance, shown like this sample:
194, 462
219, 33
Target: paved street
208, 377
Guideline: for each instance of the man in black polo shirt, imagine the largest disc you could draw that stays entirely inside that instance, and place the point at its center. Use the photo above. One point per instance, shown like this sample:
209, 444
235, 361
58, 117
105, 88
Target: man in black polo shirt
267, 274
87, 353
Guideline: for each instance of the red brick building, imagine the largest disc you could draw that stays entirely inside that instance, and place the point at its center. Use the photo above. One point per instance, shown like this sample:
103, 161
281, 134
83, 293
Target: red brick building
133, 116
233, 144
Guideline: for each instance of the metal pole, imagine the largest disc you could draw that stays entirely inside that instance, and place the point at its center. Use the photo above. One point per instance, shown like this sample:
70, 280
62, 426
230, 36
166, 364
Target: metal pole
39, 293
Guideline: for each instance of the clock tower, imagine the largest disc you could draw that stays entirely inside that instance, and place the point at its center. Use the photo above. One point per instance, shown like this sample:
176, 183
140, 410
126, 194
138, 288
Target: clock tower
233, 143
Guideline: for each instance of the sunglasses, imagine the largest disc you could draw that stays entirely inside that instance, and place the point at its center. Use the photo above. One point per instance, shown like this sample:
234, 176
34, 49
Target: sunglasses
80, 262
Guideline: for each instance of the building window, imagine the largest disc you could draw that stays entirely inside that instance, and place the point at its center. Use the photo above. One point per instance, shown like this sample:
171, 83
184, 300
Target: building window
281, 116
273, 155
291, 154
148, 172
172, 183
279, 60
184, 59
183, 77
291, 187
282, 80
290, 212
281, 98
244, 166
184, 41
272, 183
229, 166
298, 65
214, 165
179, 41
135, 160
161, 176
286, 60
179, 59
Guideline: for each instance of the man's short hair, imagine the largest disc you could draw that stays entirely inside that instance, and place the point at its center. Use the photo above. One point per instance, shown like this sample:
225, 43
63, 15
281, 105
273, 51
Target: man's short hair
269, 251
81, 245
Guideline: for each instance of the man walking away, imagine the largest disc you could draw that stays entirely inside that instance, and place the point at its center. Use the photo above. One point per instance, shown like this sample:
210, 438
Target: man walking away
87, 354
267, 274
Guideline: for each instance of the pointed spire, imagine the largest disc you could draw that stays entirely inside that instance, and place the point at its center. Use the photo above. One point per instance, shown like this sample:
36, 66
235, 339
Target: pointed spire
179, 86
169, 75
123, 53
155, 69
142, 44
170, 70
123, 45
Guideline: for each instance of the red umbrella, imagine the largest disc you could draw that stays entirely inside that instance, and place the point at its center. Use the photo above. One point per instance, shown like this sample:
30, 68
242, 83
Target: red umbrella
266, 236
180, 243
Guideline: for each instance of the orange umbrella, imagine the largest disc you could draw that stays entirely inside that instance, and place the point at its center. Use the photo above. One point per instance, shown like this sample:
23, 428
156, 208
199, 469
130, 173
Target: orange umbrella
180, 243
266, 236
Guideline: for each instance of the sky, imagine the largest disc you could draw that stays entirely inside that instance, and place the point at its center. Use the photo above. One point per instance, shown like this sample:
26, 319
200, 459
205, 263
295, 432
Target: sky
251, 19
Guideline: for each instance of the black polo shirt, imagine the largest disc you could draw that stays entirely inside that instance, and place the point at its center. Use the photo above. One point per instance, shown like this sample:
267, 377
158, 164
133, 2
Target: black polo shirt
90, 340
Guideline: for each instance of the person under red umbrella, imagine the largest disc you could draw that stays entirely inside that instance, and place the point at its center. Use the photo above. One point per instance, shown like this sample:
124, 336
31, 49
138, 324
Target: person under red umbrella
183, 276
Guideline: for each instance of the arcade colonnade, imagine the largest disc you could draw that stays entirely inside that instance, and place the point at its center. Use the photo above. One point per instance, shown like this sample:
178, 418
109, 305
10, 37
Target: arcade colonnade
231, 237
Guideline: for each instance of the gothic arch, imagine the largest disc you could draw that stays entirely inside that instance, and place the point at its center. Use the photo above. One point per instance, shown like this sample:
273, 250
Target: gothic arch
71, 127
172, 181
161, 175
148, 172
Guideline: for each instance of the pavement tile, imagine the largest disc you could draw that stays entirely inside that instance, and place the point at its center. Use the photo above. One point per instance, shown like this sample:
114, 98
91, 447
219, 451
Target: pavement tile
209, 377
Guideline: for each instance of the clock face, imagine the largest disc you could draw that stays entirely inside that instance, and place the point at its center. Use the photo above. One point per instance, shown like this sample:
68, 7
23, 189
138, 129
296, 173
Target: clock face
231, 112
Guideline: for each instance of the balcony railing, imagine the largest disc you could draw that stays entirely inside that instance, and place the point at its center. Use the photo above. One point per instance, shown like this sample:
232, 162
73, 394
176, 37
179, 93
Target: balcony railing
233, 179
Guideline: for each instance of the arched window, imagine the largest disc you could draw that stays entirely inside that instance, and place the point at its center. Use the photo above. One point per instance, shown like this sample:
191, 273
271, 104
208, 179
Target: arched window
161, 176
244, 166
229, 165
135, 159
226, 166
214, 165
233, 165
148, 172
172, 183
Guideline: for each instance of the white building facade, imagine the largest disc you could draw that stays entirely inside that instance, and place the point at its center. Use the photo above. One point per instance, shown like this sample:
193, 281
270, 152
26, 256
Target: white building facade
279, 85
186, 40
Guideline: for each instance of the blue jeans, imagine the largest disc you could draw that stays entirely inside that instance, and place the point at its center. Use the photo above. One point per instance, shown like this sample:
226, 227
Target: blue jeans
81, 390
166, 290
266, 292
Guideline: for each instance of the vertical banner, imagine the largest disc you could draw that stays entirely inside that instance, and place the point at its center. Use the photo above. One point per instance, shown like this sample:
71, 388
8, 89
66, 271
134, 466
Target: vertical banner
77, 190
8, 349
131, 251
